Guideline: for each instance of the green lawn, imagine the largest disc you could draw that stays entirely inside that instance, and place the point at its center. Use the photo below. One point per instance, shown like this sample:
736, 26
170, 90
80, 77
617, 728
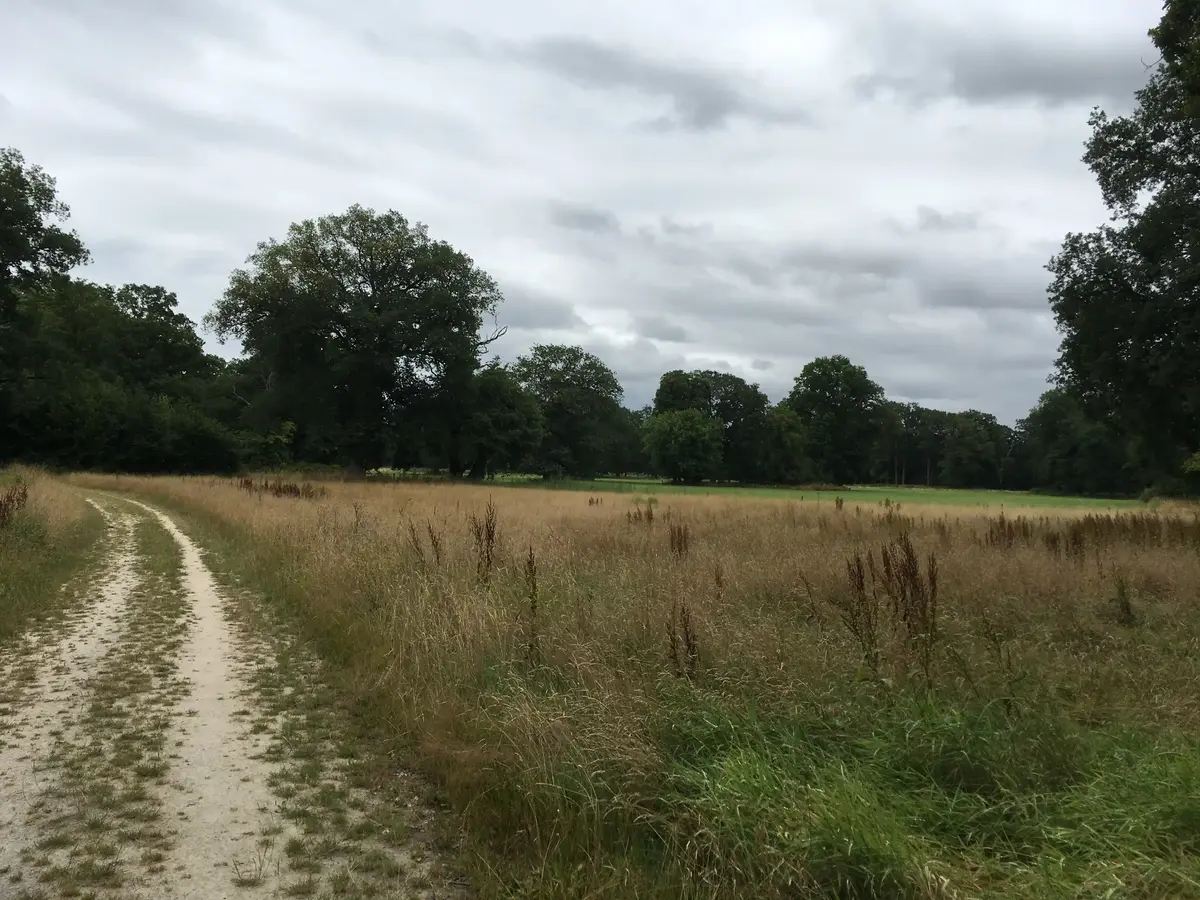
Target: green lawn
863, 494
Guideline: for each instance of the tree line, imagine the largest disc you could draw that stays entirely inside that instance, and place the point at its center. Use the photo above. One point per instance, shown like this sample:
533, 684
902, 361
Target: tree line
365, 345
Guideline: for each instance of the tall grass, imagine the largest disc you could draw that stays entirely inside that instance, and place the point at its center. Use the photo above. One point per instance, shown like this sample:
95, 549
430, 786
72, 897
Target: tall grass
46, 531
739, 698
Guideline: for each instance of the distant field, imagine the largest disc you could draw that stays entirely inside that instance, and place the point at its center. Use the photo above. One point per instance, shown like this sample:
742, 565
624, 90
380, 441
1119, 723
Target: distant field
859, 494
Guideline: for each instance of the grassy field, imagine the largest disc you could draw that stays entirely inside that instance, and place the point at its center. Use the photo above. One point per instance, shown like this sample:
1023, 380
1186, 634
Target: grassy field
722, 696
858, 494
46, 535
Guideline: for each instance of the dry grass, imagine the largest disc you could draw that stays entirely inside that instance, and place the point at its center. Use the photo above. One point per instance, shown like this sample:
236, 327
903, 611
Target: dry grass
46, 533
757, 698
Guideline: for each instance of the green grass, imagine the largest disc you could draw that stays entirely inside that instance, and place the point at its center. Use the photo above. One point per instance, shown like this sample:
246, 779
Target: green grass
857, 796
855, 493
37, 559
860, 494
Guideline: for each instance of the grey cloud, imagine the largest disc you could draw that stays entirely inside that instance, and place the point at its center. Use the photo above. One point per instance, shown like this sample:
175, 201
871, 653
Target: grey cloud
659, 328
670, 226
113, 140
216, 17
930, 219
727, 305
376, 116
702, 99
193, 130
1057, 72
638, 364
852, 270
584, 218
171, 31
1014, 285
930, 387
531, 310
125, 254
923, 61
833, 274
761, 365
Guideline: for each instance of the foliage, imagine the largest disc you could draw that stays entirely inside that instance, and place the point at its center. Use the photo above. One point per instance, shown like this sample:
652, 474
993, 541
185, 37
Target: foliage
784, 450
839, 407
1124, 295
580, 399
506, 425
739, 407
684, 444
362, 320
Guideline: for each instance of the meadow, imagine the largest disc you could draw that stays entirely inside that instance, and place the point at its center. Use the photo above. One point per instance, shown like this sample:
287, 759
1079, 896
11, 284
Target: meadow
855, 494
48, 535
740, 696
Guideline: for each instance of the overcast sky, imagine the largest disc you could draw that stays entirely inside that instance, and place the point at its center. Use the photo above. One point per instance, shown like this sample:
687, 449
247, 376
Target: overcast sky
670, 183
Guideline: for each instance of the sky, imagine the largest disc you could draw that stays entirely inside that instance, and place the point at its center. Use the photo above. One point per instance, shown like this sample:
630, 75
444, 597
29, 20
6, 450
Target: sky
668, 183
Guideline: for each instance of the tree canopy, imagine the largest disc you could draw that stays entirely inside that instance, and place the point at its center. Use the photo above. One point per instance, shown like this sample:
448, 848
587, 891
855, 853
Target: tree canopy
361, 319
1124, 295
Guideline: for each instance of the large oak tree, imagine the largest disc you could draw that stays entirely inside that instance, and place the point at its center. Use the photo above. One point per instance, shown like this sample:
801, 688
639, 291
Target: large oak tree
363, 321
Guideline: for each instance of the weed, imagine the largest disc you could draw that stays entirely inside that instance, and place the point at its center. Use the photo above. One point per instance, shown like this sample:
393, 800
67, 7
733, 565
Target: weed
12, 500
485, 532
533, 650
680, 537
280, 488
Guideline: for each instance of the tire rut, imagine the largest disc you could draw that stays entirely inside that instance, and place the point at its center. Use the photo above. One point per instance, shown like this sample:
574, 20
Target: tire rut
220, 800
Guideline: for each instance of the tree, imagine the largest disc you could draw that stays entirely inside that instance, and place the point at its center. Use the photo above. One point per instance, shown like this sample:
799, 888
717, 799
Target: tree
838, 406
889, 443
679, 390
1071, 452
1124, 295
971, 457
685, 445
360, 319
784, 454
33, 243
34, 249
506, 424
158, 345
580, 399
101, 390
625, 451
739, 407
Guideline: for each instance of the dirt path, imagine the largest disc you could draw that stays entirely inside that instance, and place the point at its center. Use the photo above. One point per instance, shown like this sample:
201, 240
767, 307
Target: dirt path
41, 682
171, 739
